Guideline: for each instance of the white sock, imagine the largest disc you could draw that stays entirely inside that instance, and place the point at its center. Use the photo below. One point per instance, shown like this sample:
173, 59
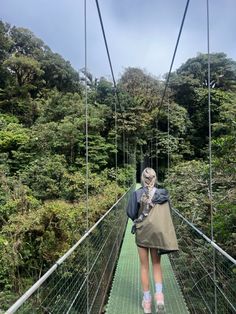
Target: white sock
146, 295
158, 287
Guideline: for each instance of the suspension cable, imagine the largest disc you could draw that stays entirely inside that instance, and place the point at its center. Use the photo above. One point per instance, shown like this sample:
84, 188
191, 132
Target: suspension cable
86, 114
165, 88
114, 83
157, 153
176, 47
86, 146
209, 120
108, 55
107, 49
168, 141
210, 150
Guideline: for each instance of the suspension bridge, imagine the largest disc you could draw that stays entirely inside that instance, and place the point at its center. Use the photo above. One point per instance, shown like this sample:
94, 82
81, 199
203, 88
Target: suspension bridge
100, 273
79, 282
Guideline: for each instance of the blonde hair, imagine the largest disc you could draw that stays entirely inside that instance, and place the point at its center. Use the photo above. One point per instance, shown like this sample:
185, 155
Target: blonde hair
148, 178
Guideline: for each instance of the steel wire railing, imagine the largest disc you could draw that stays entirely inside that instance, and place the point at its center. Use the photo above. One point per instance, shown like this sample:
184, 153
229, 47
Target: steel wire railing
193, 266
63, 289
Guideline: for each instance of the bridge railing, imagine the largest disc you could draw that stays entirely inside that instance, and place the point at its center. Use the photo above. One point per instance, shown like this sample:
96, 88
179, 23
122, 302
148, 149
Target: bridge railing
79, 280
206, 273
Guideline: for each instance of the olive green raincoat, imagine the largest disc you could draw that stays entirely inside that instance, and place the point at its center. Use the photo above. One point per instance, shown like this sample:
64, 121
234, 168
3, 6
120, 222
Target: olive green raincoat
157, 230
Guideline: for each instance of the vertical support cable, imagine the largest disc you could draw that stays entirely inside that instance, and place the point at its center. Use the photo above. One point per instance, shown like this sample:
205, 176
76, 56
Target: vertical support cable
209, 119
116, 145
210, 151
86, 147
124, 165
128, 158
135, 163
151, 152
168, 140
123, 136
157, 168
141, 160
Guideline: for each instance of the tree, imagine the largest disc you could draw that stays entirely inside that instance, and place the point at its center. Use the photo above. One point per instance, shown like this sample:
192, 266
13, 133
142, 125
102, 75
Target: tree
44, 176
25, 69
140, 105
105, 92
5, 41
223, 70
25, 42
5, 44
55, 106
59, 73
189, 86
12, 136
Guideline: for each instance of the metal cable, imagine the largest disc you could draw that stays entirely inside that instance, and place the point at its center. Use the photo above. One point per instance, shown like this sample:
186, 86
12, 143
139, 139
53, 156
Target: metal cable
114, 81
209, 120
176, 47
210, 148
108, 54
168, 78
193, 266
86, 141
168, 140
65, 283
157, 153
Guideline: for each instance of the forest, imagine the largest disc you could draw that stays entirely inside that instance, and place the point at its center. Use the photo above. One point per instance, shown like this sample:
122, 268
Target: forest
42, 149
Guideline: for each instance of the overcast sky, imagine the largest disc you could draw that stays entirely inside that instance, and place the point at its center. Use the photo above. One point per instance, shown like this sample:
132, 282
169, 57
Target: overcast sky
140, 33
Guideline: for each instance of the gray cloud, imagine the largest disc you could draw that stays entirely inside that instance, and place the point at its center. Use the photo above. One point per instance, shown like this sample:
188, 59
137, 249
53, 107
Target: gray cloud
139, 33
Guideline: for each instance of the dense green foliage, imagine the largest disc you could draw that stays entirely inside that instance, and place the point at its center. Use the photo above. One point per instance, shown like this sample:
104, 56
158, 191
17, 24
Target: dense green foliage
189, 181
42, 158
42, 149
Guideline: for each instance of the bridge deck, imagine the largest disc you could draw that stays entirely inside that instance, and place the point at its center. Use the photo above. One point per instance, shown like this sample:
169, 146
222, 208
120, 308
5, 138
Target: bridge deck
126, 293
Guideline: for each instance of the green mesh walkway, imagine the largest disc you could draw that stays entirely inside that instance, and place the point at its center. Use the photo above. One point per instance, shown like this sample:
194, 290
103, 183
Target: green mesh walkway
126, 293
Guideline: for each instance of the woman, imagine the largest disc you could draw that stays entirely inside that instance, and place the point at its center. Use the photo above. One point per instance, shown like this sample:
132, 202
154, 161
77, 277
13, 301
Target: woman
154, 232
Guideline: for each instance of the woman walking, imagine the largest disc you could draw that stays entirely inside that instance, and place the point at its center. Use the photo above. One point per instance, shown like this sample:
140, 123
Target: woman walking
154, 233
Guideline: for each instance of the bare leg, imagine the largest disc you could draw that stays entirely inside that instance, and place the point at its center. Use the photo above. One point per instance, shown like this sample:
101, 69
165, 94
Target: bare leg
156, 265
144, 261
157, 274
